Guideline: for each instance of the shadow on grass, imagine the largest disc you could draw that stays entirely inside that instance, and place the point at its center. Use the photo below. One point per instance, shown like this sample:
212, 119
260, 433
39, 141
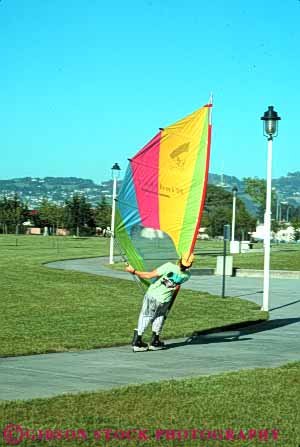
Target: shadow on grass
233, 332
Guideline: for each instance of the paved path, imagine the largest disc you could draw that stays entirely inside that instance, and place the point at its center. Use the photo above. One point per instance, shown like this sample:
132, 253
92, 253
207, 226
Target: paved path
267, 345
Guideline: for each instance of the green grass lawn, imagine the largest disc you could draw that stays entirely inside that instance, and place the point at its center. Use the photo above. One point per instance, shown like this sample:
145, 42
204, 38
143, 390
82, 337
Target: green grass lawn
47, 310
283, 256
241, 402
280, 260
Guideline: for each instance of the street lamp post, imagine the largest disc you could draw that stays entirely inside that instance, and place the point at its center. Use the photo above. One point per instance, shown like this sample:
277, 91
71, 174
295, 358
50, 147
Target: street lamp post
234, 245
270, 119
286, 204
277, 208
115, 170
280, 211
277, 197
287, 213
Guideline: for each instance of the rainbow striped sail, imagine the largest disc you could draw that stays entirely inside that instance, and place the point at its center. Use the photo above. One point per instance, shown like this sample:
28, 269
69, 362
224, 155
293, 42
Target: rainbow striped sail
160, 204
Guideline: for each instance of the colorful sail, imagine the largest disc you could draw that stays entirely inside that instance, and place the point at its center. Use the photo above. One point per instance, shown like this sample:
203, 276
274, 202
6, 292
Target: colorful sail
160, 204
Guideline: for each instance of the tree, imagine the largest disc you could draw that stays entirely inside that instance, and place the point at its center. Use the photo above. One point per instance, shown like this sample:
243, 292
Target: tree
257, 189
51, 215
13, 212
296, 225
4, 215
103, 213
79, 215
297, 234
218, 212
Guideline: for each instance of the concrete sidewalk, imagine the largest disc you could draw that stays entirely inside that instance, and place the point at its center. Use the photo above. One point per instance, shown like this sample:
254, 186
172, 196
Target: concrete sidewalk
266, 345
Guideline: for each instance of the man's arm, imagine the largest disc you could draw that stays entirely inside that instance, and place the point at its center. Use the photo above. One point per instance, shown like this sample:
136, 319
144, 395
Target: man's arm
143, 275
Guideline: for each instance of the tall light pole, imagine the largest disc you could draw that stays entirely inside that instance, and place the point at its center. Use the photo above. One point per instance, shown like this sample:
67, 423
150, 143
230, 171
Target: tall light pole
115, 171
234, 245
270, 119
277, 208
285, 203
281, 210
277, 197
287, 213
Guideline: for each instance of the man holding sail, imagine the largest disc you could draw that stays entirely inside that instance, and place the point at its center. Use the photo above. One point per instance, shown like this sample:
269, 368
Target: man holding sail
167, 279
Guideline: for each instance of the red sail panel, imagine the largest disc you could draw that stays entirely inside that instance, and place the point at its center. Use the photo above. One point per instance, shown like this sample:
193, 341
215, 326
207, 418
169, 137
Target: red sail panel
144, 167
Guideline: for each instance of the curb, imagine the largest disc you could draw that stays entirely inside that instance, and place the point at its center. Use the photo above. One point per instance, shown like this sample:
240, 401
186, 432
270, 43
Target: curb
202, 271
252, 273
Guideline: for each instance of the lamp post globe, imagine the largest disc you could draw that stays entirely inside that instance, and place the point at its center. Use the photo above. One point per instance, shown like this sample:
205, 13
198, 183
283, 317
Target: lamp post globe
115, 172
270, 119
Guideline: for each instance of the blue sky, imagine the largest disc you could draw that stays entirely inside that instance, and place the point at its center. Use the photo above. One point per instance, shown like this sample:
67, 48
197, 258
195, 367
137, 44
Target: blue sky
86, 84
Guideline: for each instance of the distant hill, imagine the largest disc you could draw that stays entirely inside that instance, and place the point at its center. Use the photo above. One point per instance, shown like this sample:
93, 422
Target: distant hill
58, 189
287, 188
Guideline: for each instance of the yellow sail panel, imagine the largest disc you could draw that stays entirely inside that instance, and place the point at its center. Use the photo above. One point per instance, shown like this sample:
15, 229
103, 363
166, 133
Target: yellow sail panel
179, 151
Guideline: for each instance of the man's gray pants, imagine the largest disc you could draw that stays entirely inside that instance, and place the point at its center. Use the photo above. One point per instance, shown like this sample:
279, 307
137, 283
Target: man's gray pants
154, 312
